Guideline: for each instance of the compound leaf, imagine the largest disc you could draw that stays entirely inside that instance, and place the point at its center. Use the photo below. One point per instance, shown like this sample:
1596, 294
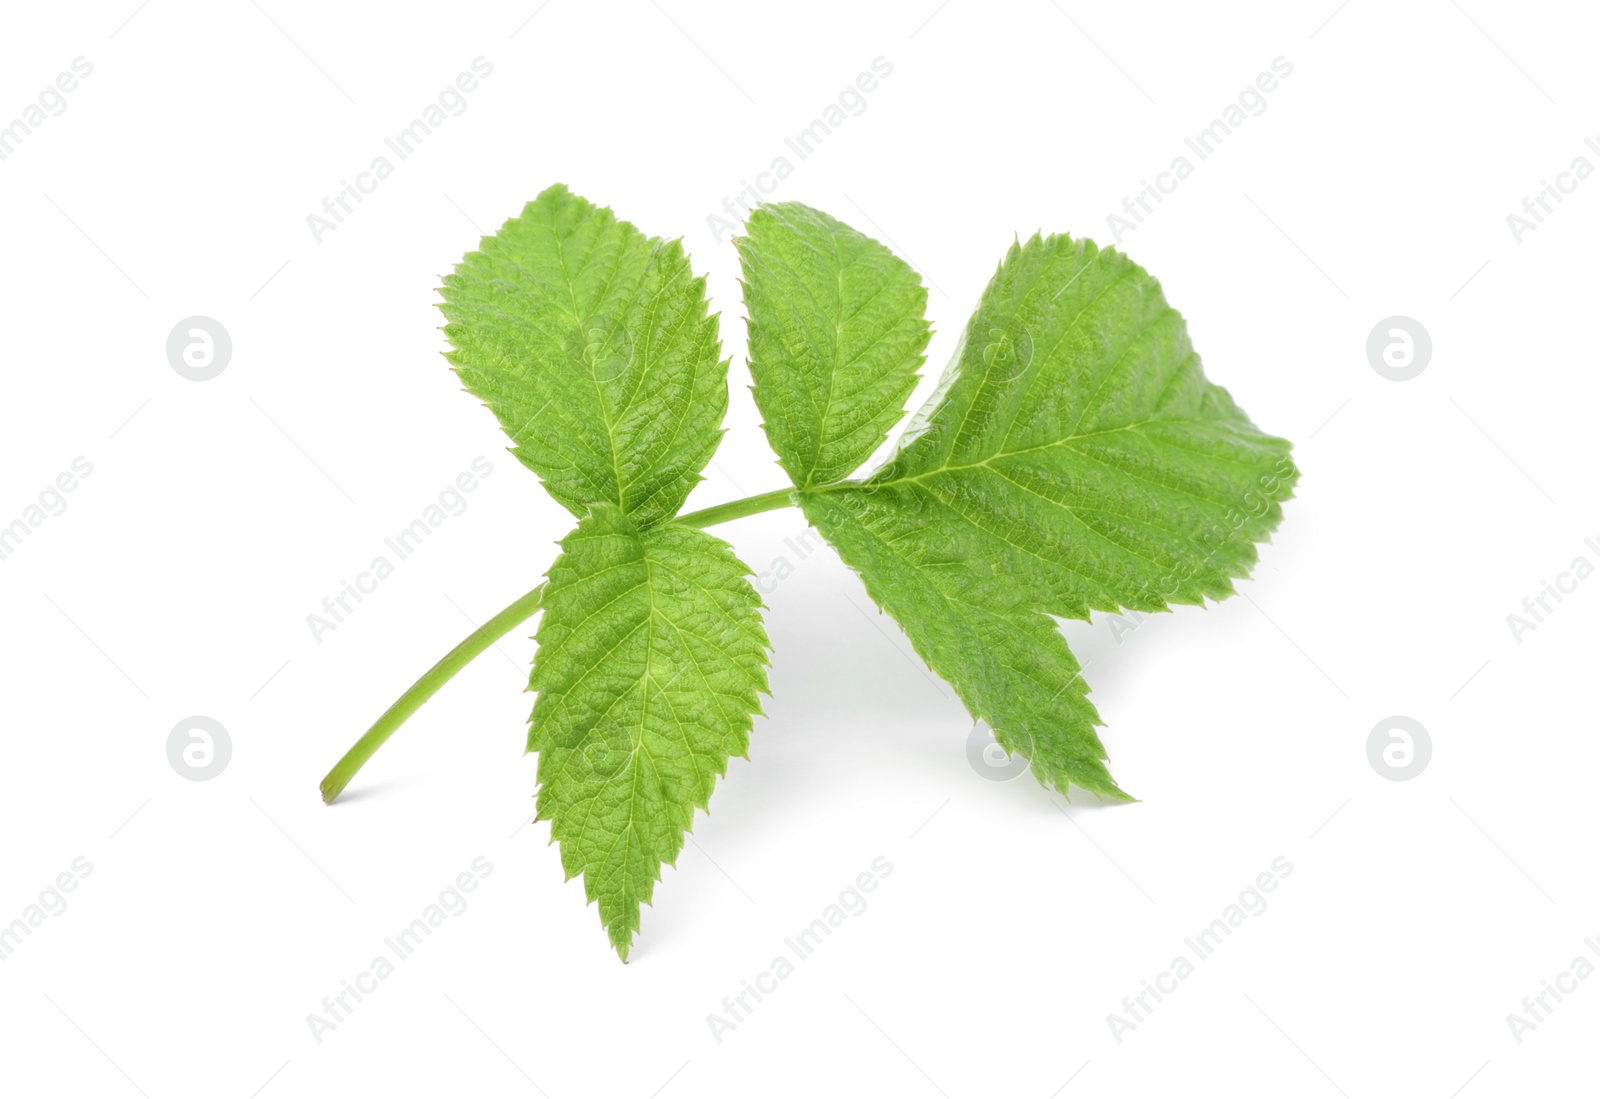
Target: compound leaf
651, 655
1073, 458
836, 337
593, 346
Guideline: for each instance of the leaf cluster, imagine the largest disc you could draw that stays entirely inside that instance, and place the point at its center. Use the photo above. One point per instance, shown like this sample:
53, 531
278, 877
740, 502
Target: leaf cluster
1072, 458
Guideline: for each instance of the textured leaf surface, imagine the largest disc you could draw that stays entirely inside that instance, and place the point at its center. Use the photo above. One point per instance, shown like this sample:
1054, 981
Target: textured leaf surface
651, 655
1073, 458
592, 345
836, 338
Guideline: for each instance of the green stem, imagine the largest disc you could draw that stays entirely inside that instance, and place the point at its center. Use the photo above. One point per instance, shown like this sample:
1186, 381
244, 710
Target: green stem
426, 687
738, 509
493, 630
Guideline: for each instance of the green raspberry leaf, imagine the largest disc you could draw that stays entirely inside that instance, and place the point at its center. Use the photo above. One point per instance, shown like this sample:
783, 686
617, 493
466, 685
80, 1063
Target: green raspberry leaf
651, 655
1073, 458
975, 624
836, 338
593, 346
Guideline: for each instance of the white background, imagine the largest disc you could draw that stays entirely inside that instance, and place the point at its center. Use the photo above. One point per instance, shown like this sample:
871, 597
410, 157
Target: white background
219, 914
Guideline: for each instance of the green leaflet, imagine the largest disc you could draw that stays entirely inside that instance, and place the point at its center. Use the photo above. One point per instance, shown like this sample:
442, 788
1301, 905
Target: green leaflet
975, 624
592, 345
836, 337
651, 655
1074, 458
